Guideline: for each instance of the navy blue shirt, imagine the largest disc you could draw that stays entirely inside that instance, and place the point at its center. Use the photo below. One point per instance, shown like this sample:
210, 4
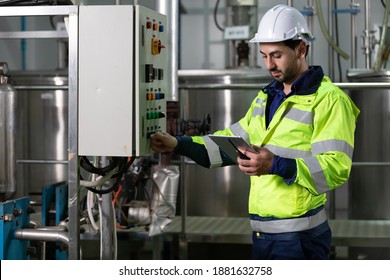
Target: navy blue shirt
284, 167
308, 83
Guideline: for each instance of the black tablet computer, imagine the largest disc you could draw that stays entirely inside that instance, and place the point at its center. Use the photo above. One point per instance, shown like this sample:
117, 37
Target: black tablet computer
230, 145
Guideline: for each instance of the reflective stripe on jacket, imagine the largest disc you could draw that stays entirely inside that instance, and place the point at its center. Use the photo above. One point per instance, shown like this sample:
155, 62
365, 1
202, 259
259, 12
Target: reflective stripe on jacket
317, 130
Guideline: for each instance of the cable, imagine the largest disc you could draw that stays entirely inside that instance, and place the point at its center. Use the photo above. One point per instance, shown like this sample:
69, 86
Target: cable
326, 33
123, 165
215, 16
99, 182
114, 234
88, 166
90, 206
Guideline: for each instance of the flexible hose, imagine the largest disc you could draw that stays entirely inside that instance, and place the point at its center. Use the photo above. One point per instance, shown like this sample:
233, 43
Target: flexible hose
378, 60
99, 180
215, 16
326, 33
90, 207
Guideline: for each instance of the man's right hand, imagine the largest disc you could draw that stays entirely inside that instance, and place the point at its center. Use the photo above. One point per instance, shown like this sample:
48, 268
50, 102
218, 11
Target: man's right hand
162, 142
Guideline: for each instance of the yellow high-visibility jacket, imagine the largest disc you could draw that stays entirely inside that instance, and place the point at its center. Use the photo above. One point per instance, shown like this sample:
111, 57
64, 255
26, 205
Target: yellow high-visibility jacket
316, 129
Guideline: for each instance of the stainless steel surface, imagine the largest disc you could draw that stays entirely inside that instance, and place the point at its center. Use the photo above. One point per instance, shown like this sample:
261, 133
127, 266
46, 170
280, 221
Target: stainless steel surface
369, 194
344, 86
214, 229
42, 87
38, 11
372, 164
73, 165
4, 68
170, 8
33, 34
255, 79
310, 25
71, 12
46, 129
222, 191
45, 234
354, 5
361, 233
364, 233
42, 161
8, 139
367, 24
330, 49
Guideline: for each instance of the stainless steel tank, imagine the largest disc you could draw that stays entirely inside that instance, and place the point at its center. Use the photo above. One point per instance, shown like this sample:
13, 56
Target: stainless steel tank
369, 186
226, 95
8, 125
43, 99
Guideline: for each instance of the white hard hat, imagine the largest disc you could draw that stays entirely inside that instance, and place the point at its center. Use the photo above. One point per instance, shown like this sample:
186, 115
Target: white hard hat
282, 23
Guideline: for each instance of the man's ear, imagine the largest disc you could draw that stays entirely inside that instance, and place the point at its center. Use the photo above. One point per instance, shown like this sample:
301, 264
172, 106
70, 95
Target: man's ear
302, 49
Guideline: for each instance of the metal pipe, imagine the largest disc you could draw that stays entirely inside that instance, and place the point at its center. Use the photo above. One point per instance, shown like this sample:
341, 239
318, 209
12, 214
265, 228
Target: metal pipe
261, 85
367, 19
41, 87
170, 8
8, 120
330, 49
371, 164
29, 161
107, 228
310, 24
354, 164
233, 86
378, 60
353, 34
43, 235
331, 20
73, 162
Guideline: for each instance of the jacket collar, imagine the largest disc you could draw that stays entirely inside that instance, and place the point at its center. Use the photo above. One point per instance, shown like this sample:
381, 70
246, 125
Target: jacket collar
308, 83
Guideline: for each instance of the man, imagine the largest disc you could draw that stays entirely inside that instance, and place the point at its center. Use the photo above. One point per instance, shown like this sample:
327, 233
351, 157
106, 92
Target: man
302, 127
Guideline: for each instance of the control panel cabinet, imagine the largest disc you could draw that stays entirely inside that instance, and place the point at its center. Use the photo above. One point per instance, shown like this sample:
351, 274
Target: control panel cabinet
122, 79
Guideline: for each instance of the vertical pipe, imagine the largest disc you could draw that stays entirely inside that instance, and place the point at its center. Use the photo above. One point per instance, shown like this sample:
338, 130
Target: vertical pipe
61, 49
378, 60
367, 31
311, 28
331, 195
170, 8
353, 35
73, 162
106, 221
330, 49
23, 43
183, 245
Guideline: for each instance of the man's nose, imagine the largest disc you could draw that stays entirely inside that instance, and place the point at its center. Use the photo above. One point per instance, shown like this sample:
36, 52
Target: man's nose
269, 63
